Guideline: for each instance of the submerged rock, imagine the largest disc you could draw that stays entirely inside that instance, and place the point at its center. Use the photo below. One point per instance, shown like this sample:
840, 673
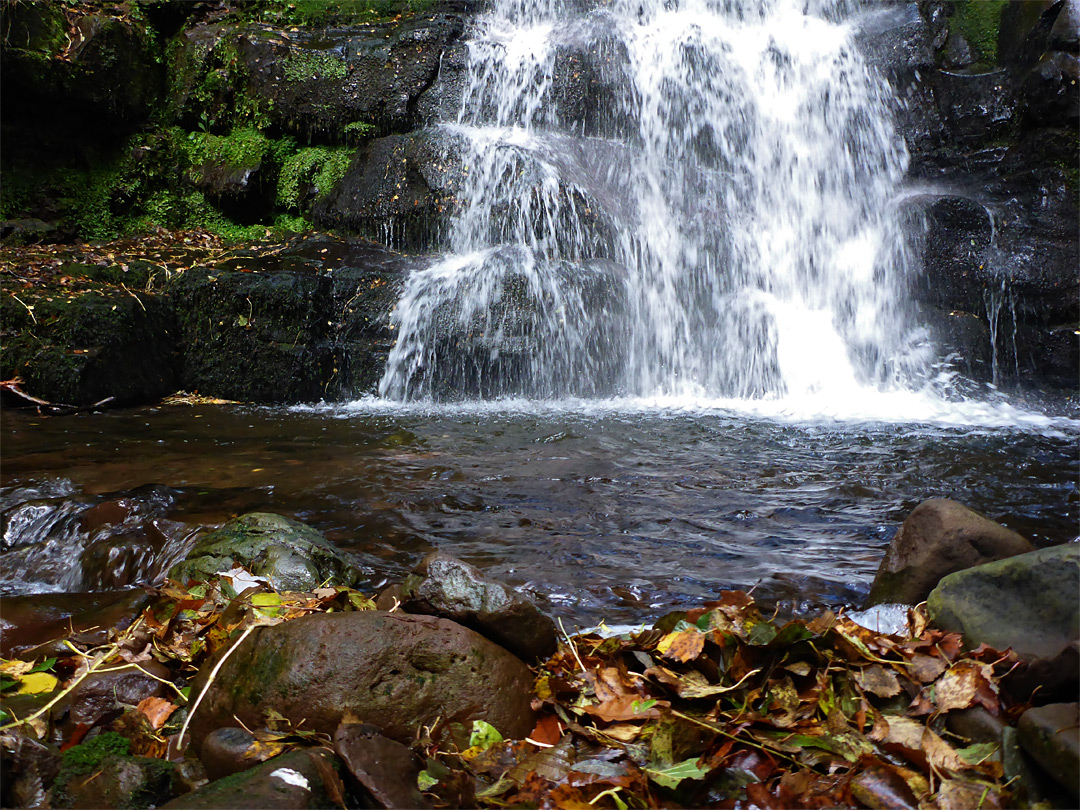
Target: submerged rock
33, 620
299, 779
443, 586
939, 537
1029, 602
291, 555
393, 670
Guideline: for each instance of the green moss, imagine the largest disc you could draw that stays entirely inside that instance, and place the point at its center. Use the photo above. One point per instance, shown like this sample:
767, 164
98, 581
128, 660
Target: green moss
85, 757
242, 148
331, 12
980, 21
309, 65
316, 166
358, 131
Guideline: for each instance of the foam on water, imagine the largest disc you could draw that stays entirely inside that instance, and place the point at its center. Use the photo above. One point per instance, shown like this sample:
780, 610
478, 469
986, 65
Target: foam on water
731, 242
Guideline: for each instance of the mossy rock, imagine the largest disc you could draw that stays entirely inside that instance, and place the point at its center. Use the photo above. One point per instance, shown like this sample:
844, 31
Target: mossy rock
90, 345
291, 555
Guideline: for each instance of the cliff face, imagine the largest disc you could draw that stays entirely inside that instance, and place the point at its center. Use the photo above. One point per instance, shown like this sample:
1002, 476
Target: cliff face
257, 119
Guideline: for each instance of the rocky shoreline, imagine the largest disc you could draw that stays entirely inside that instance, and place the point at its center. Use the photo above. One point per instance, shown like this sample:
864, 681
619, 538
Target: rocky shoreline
257, 677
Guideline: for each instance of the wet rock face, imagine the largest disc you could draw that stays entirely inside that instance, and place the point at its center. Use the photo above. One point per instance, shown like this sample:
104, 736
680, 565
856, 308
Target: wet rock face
104, 693
392, 670
315, 83
1029, 602
990, 122
28, 621
291, 555
385, 769
939, 537
443, 586
297, 323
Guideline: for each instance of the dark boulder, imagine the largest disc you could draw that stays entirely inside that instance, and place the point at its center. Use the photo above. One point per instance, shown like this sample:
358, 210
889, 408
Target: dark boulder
291, 555
398, 190
443, 586
393, 670
1029, 602
99, 344
228, 750
385, 769
939, 537
108, 692
299, 779
1051, 735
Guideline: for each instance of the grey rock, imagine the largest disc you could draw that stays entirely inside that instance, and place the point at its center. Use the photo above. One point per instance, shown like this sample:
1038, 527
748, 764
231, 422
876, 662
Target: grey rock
227, 751
288, 553
299, 779
1030, 602
393, 670
939, 537
1051, 735
443, 586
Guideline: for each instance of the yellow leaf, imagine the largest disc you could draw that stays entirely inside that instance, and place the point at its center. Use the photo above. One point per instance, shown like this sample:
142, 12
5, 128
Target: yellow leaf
35, 682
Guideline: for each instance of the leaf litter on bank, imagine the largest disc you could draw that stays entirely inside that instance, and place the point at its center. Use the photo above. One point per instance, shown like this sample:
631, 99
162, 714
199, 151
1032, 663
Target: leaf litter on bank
717, 706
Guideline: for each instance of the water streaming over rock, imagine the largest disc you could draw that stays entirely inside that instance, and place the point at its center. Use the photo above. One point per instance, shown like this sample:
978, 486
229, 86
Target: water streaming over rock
666, 199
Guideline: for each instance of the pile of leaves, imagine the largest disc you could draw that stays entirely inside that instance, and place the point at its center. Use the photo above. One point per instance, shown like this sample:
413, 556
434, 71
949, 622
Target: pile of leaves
717, 706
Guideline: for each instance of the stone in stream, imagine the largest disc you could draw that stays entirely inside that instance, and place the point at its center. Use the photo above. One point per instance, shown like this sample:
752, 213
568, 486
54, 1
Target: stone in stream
299, 779
291, 555
443, 586
393, 670
1051, 735
29, 622
1030, 602
939, 537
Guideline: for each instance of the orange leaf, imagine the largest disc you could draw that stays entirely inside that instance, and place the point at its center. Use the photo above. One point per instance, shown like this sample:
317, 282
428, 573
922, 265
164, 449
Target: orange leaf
157, 710
682, 646
625, 707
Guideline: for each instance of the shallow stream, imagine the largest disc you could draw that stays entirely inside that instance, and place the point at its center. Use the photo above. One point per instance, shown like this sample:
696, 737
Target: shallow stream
618, 512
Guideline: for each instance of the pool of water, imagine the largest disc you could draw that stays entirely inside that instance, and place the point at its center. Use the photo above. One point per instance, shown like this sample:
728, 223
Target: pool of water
618, 513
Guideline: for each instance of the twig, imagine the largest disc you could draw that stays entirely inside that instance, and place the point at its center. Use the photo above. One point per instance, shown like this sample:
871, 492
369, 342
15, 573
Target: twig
573, 647
209, 681
28, 309
133, 295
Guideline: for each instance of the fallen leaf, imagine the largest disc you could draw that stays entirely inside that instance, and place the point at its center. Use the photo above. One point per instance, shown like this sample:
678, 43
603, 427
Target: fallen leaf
941, 755
878, 681
682, 646
157, 710
964, 685
671, 777
927, 668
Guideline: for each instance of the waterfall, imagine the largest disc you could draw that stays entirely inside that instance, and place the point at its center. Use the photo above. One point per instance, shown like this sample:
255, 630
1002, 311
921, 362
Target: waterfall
666, 198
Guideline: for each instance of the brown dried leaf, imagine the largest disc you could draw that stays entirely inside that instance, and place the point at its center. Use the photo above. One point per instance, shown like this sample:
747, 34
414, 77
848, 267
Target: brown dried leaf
941, 755
964, 685
880, 786
959, 794
927, 668
878, 681
904, 731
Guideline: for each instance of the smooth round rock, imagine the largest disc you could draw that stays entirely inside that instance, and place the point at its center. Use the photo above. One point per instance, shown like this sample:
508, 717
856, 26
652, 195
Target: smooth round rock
939, 537
395, 671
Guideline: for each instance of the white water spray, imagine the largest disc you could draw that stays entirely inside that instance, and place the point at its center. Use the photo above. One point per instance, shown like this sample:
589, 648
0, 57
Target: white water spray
724, 228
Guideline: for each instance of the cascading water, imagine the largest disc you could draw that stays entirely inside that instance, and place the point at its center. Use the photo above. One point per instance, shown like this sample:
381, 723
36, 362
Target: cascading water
722, 226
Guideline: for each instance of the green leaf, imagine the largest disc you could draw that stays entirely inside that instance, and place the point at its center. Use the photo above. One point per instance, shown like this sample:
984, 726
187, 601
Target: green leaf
974, 754
484, 735
671, 777
639, 706
7, 683
761, 634
242, 320
425, 780
45, 665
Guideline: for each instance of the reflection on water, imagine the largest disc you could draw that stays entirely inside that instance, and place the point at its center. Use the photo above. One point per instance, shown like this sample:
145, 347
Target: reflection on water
616, 515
